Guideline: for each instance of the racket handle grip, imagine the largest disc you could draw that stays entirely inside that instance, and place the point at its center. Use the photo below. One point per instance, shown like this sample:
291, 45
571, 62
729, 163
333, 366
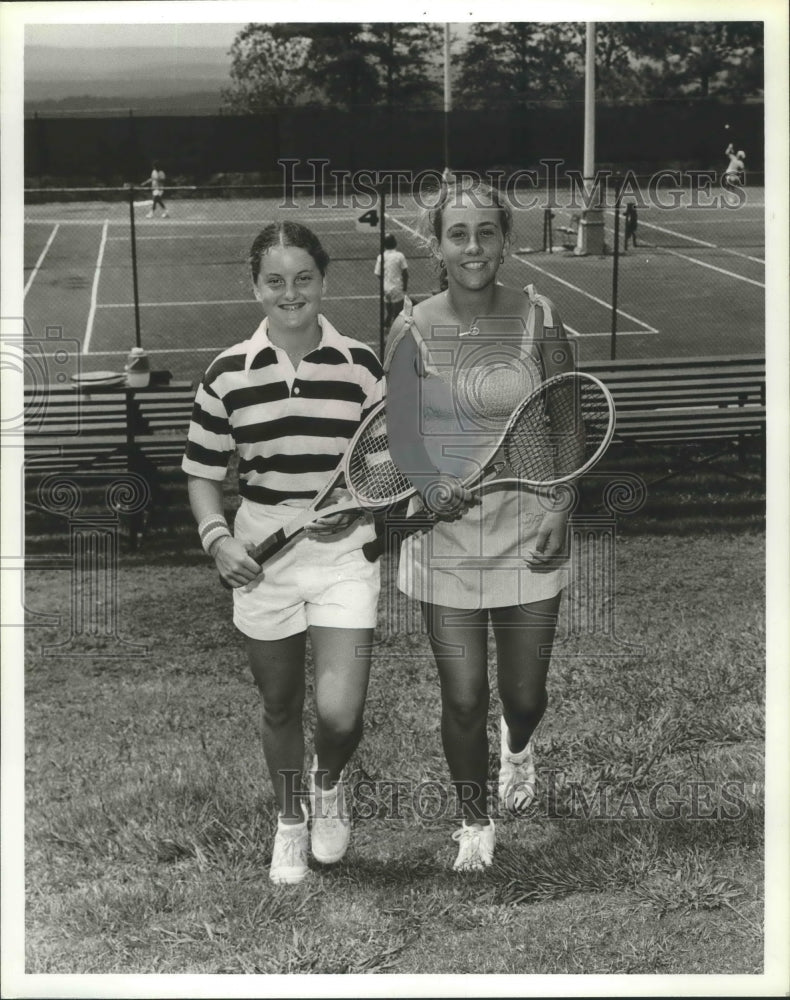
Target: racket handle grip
268, 547
372, 550
416, 523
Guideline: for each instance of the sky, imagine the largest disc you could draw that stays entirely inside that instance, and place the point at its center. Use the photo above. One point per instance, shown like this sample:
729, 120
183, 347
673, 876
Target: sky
132, 35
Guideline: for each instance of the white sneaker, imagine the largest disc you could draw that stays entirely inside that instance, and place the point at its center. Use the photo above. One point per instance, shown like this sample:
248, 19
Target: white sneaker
475, 847
289, 854
518, 781
331, 829
164, 215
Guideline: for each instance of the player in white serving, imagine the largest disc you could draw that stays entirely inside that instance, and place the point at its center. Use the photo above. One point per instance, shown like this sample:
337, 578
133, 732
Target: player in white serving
457, 365
736, 166
288, 400
157, 185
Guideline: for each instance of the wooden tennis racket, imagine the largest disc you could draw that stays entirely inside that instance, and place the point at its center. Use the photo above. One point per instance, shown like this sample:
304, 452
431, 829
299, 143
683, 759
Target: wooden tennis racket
555, 435
366, 471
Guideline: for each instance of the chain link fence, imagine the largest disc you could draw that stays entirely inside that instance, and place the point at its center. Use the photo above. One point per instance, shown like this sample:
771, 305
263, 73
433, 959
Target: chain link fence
682, 276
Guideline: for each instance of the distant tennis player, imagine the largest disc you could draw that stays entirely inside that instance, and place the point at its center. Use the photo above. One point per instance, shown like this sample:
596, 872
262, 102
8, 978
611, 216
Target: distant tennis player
288, 400
396, 278
631, 222
735, 174
157, 184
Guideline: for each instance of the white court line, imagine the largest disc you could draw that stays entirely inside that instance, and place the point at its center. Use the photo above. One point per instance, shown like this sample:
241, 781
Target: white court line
40, 259
173, 236
160, 350
76, 222
95, 290
718, 222
581, 291
704, 243
226, 236
712, 267
608, 333
255, 223
657, 246
216, 350
224, 302
57, 222
403, 225
123, 220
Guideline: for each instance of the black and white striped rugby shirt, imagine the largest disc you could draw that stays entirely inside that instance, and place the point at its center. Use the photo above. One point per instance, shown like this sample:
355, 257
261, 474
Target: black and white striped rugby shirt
289, 428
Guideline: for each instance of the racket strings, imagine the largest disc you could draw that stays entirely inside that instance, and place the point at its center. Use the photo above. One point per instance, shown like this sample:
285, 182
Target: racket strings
371, 474
558, 431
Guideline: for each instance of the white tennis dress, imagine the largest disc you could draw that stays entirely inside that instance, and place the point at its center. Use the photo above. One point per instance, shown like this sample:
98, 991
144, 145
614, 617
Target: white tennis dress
467, 387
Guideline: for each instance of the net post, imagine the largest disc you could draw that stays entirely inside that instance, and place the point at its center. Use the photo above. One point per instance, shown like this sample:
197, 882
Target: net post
615, 266
548, 235
133, 242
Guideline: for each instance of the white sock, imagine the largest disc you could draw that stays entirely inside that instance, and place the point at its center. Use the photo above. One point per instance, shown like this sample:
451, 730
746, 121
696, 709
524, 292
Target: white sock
325, 793
290, 825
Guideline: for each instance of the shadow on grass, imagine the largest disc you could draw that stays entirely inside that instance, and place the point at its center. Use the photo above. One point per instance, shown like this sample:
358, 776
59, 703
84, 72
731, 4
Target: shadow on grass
684, 494
386, 873
654, 859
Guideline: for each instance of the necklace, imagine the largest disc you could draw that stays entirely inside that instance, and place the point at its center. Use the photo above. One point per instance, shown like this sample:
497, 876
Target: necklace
473, 330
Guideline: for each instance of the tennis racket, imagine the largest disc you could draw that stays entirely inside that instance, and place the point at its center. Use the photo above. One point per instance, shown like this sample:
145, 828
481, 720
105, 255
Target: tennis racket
555, 435
366, 470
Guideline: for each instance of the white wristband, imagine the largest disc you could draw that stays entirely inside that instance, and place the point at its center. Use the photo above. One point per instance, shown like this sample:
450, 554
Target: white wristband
211, 529
215, 544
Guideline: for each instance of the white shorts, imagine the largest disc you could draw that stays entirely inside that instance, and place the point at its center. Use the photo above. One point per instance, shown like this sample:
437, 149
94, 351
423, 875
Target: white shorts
315, 580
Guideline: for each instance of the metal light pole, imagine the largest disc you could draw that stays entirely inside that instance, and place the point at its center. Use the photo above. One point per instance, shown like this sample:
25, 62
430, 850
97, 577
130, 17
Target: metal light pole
448, 97
382, 307
615, 268
591, 228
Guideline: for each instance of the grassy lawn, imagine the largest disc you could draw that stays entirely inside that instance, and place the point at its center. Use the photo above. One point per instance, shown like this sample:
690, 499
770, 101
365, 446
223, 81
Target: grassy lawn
149, 817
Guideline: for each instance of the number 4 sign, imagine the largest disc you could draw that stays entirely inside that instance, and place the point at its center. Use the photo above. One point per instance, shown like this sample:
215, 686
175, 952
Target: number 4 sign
368, 222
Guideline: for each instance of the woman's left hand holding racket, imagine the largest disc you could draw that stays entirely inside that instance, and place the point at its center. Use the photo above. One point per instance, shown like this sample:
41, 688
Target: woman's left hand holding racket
333, 523
447, 498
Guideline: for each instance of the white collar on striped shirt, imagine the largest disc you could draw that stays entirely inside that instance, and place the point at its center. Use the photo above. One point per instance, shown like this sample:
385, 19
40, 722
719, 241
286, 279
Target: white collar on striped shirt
329, 338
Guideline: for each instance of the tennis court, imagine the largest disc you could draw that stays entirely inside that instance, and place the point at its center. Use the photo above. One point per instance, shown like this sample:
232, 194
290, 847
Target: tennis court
693, 286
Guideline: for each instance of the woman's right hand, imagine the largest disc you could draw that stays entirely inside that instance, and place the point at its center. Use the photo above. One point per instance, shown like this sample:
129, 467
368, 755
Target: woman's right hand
234, 563
448, 498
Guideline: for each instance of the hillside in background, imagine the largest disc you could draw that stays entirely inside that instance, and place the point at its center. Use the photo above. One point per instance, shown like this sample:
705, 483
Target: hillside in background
186, 79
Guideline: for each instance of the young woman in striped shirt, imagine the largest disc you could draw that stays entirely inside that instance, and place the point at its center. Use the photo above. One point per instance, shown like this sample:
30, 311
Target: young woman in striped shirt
288, 401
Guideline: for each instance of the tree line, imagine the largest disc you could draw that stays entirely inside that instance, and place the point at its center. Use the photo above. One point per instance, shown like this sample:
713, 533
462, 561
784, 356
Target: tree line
494, 64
